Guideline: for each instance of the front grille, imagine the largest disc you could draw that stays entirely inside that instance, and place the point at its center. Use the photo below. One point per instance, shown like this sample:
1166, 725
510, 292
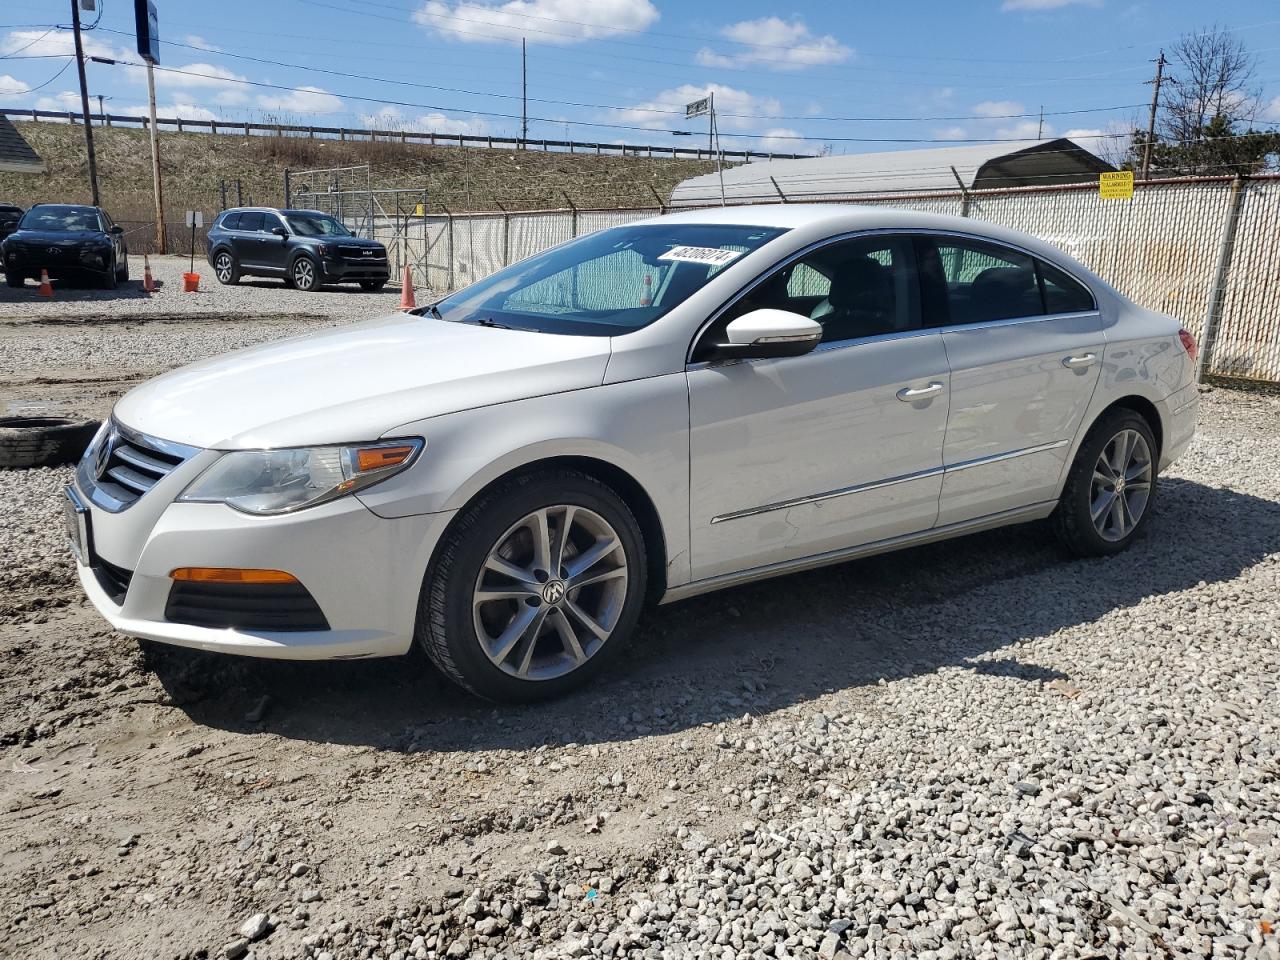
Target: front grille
244, 606
132, 467
114, 580
358, 254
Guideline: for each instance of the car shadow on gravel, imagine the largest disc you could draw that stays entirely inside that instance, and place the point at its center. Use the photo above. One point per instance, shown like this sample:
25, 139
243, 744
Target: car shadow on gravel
71, 293
757, 648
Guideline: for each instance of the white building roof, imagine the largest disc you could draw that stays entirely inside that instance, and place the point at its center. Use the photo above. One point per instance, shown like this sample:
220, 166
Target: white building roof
898, 172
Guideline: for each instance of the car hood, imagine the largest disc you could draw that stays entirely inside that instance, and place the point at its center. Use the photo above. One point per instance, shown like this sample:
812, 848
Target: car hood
357, 383
57, 238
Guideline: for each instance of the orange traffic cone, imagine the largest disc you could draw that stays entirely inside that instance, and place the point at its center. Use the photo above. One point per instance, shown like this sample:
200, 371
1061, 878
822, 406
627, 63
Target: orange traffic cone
148, 283
407, 301
46, 288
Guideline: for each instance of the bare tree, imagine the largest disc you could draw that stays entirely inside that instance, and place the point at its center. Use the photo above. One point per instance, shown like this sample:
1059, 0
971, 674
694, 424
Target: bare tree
1212, 76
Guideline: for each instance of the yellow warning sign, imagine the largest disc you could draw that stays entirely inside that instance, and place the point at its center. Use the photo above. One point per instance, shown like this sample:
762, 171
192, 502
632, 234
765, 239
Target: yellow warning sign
1116, 186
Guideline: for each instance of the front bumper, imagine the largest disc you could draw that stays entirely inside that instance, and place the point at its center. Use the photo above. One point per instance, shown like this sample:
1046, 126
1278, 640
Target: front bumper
340, 270
364, 572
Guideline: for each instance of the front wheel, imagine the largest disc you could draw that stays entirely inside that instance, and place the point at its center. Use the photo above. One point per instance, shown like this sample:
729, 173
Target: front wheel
122, 272
111, 279
226, 269
304, 275
1110, 491
14, 279
535, 589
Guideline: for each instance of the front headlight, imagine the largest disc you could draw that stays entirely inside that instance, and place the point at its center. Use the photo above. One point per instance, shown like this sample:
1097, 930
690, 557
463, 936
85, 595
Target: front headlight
282, 481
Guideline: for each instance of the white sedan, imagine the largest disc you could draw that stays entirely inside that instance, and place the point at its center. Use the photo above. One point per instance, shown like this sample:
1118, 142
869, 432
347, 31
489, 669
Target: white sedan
640, 415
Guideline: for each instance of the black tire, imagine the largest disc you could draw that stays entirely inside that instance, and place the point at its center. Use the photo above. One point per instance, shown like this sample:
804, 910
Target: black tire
304, 275
14, 279
372, 286
43, 441
122, 274
1073, 518
445, 627
111, 279
226, 268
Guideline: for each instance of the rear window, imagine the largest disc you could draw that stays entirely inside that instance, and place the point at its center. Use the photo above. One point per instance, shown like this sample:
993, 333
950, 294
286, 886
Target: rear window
1063, 294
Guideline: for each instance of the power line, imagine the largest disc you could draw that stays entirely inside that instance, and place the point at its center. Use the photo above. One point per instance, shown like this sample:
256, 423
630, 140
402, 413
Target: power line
628, 109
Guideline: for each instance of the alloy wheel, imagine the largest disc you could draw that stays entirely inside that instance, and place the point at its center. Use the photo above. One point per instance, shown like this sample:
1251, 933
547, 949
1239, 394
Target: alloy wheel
550, 592
1121, 486
304, 274
223, 267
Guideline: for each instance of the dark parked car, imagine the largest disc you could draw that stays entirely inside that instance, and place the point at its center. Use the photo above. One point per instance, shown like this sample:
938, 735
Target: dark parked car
10, 214
305, 248
71, 241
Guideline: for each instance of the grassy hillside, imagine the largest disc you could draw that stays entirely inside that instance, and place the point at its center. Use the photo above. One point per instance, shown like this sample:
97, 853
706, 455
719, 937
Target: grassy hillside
194, 164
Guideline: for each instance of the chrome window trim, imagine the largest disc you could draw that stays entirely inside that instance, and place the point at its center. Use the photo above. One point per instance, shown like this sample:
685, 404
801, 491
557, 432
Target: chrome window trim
900, 232
890, 482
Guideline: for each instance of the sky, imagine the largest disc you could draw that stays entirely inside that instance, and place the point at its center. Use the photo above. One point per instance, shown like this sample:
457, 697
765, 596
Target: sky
801, 77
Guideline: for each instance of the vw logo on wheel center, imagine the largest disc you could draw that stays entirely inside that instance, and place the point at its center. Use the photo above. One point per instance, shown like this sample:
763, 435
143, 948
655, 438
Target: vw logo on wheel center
554, 591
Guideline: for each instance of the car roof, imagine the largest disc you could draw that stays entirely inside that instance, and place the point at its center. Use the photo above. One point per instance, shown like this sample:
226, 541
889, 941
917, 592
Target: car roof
285, 211
69, 206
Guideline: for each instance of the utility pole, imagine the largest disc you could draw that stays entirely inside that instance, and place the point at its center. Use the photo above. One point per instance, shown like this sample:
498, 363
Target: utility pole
84, 102
524, 95
1151, 123
714, 135
161, 238
102, 111
1040, 129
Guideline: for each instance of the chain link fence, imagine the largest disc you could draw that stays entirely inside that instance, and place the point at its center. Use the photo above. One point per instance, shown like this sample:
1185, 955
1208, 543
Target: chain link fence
1206, 251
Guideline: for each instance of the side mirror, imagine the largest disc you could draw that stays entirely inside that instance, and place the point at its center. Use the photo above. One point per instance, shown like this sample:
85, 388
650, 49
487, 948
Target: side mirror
117, 230
767, 333
280, 231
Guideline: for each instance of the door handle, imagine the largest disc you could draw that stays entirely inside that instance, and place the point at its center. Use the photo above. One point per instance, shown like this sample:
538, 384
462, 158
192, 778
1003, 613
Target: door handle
1077, 363
909, 394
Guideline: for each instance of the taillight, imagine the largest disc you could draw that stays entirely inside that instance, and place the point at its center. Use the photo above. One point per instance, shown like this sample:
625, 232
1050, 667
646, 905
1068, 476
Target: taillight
1188, 343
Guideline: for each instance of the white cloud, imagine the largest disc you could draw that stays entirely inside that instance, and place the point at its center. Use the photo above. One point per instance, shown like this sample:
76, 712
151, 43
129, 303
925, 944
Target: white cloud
225, 86
775, 44
393, 119
60, 43
1271, 111
780, 140
303, 100
11, 86
539, 21
952, 133
998, 108
195, 40
1025, 130
181, 109
1046, 4
754, 110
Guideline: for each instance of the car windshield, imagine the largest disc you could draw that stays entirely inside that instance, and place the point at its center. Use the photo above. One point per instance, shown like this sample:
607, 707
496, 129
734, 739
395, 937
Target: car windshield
316, 225
606, 283
69, 219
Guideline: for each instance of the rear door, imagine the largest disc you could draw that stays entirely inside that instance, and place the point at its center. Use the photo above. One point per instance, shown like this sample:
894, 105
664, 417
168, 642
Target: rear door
247, 238
1024, 344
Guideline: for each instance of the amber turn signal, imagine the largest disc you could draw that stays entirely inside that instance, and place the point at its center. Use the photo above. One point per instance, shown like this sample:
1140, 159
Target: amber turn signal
379, 458
231, 575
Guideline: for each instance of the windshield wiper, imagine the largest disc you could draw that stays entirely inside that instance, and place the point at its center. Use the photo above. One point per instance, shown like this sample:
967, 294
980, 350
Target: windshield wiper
433, 310
490, 322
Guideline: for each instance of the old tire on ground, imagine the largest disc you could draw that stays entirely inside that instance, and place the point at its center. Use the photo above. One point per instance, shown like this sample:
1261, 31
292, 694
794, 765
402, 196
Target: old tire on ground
43, 441
535, 588
1111, 489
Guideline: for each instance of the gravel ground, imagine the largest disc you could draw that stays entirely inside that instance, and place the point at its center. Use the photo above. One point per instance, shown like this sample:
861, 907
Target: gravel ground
75, 354
974, 749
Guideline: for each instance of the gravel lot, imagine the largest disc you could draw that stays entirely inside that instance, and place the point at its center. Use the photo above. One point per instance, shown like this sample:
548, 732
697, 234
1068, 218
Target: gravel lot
975, 749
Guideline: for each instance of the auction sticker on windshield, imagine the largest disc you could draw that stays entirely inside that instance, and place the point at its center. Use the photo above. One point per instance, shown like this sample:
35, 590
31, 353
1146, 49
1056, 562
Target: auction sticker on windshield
712, 256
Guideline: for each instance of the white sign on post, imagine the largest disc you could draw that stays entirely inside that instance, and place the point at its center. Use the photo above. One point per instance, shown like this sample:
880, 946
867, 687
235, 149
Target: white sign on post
195, 218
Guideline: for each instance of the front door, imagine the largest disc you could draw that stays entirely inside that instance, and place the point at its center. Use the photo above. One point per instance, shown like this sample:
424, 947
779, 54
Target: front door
843, 446
1024, 343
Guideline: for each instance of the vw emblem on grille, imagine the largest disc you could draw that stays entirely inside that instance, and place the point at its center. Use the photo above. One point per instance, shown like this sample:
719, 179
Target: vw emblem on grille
553, 592
103, 454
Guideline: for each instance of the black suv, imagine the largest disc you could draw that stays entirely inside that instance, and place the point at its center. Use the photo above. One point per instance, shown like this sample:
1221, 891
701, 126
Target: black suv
70, 241
305, 248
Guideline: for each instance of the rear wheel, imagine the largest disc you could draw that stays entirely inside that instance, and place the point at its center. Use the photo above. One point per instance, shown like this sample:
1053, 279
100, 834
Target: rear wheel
1111, 488
226, 269
537, 587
